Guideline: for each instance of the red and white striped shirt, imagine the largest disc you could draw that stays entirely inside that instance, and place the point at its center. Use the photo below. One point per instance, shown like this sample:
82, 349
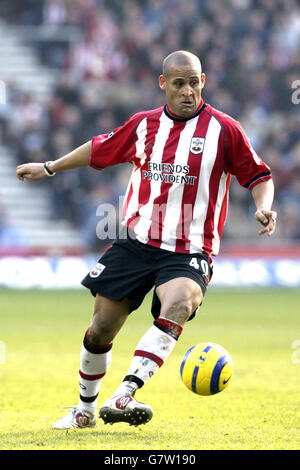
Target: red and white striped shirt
177, 196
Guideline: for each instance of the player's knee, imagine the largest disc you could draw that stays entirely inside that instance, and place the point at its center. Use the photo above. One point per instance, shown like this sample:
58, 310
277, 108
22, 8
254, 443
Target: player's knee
179, 310
107, 320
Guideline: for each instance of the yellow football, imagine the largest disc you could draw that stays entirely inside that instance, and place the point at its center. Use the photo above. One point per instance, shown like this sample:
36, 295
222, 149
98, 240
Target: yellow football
206, 368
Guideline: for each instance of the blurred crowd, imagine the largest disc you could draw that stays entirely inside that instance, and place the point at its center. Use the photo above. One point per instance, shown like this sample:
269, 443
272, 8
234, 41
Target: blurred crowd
249, 50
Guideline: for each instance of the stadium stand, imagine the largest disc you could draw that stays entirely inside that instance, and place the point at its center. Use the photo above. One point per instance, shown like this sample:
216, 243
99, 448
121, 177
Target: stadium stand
75, 69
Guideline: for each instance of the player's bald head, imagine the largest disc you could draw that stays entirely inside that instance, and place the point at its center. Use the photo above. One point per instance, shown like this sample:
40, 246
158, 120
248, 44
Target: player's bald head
182, 80
179, 59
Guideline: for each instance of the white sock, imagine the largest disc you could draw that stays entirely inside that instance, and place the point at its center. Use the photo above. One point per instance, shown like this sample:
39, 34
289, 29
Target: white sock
94, 362
150, 354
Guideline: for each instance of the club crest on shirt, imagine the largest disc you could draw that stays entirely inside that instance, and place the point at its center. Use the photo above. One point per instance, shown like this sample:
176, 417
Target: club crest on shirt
197, 145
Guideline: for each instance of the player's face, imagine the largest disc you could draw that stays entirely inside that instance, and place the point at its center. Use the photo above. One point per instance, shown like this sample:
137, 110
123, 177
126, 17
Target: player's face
183, 87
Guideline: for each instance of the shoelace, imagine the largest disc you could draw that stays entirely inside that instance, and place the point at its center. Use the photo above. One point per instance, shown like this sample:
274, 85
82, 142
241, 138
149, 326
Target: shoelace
74, 408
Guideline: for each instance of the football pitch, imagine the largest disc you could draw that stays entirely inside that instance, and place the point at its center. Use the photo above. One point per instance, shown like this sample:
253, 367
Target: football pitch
41, 334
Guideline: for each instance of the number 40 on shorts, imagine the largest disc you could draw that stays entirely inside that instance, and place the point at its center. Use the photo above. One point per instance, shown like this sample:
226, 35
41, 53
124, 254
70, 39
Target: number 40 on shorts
203, 265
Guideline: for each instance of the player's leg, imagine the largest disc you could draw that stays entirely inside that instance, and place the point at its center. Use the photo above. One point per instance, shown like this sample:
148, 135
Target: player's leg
95, 358
179, 298
108, 318
120, 275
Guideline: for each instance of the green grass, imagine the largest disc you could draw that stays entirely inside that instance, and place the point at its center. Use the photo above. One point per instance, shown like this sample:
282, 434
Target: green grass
43, 331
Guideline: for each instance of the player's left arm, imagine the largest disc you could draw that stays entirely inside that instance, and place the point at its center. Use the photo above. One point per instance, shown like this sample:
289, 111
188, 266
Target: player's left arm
263, 195
251, 172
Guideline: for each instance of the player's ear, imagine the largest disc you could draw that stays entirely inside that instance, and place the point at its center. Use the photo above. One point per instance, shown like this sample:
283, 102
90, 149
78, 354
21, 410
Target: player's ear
162, 82
202, 79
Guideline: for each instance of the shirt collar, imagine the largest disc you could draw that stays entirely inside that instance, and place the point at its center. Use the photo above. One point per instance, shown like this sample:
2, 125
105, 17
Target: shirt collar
175, 117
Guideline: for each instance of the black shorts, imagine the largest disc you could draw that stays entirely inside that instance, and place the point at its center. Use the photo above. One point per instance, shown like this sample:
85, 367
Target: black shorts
131, 269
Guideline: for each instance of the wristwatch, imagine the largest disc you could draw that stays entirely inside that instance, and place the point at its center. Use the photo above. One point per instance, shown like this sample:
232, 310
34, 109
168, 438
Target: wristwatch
47, 169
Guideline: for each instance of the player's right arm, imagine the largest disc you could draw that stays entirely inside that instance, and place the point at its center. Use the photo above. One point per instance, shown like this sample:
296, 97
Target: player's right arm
100, 152
78, 158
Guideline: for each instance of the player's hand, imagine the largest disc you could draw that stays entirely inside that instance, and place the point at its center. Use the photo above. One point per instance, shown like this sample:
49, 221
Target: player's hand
267, 219
31, 171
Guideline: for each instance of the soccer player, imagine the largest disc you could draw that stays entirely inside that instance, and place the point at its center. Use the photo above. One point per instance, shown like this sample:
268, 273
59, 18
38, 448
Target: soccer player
183, 155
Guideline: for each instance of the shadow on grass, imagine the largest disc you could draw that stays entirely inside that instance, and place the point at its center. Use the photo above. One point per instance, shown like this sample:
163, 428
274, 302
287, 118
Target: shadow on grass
77, 439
